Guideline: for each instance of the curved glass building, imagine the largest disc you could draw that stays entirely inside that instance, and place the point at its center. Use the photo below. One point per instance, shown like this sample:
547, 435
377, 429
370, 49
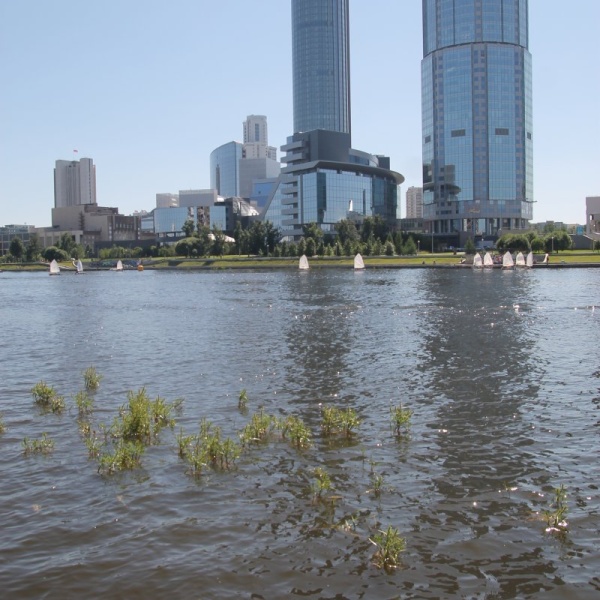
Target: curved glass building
321, 65
476, 111
224, 169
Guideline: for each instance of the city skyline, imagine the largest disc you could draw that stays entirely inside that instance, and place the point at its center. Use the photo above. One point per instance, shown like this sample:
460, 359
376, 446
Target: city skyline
149, 108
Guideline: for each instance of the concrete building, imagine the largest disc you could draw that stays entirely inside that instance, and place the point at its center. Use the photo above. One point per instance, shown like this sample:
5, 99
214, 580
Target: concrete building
476, 117
9, 232
414, 203
256, 138
74, 182
592, 216
167, 200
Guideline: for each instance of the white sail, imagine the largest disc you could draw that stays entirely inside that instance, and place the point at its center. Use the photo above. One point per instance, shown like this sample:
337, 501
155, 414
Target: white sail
507, 261
488, 261
477, 261
520, 260
359, 263
529, 260
119, 265
79, 266
54, 268
303, 263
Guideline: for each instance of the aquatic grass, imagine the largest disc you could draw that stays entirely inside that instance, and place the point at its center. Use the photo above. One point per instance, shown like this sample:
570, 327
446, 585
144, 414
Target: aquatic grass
207, 448
126, 455
401, 419
46, 397
93, 444
377, 483
321, 483
91, 379
294, 429
2, 426
44, 445
259, 429
338, 421
84, 403
556, 513
389, 545
243, 400
142, 419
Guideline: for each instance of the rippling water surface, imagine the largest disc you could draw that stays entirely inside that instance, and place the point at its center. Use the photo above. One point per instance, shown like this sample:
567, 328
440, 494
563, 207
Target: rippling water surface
500, 368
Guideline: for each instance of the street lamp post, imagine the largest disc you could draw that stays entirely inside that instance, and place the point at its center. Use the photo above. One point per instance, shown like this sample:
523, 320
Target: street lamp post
552, 238
418, 246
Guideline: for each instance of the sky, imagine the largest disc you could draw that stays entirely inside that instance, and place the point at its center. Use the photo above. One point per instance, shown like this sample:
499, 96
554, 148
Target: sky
148, 88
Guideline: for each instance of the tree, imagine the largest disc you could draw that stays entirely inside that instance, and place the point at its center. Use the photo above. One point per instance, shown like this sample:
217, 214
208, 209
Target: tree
66, 243
346, 230
16, 248
188, 228
597, 245
312, 231
272, 236
54, 253
559, 239
219, 244
185, 247
32, 250
237, 234
469, 246
410, 247
311, 247
203, 243
374, 227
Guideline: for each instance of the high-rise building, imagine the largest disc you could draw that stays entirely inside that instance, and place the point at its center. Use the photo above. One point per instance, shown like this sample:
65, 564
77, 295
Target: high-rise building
325, 180
321, 65
74, 182
167, 200
224, 169
476, 113
414, 203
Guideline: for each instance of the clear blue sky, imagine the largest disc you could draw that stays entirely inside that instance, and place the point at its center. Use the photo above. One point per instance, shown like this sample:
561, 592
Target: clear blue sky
149, 88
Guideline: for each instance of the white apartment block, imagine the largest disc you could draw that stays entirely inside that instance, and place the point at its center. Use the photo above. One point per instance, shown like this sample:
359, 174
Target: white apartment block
74, 182
414, 203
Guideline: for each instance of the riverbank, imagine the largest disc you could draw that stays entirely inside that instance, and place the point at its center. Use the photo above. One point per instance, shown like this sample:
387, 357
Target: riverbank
575, 259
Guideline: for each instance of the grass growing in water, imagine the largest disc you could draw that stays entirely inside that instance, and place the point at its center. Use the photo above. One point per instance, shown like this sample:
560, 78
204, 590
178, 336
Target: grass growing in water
42, 446
321, 484
84, 403
294, 429
91, 379
400, 419
207, 448
259, 429
2, 427
243, 400
555, 515
46, 397
142, 419
339, 421
389, 547
126, 454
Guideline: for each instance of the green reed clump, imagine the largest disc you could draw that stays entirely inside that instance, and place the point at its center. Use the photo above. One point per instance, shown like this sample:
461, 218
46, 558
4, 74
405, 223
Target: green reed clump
243, 400
377, 483
46, 397
207, 448
125, 455
389, 545
400, 418
84, 403
339, 421
321, 483
556, 513
91, 379
294, 429
2, 426
44, 445
259, 429
142, 419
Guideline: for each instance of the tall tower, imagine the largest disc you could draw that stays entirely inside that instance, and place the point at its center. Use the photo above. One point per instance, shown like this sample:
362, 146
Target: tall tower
74, 182
477, 117
321, 65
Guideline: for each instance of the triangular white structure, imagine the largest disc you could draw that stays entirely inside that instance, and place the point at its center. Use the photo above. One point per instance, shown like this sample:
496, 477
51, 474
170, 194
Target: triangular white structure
488, 261
477, 261
507, 261
54, 268
359, 263
303, 263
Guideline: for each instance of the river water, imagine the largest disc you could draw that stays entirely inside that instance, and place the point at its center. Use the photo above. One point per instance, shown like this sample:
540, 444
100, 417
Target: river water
500, 368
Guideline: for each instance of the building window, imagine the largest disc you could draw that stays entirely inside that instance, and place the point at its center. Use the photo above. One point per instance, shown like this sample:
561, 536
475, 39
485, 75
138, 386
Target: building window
427, 139
458, 133
501, 131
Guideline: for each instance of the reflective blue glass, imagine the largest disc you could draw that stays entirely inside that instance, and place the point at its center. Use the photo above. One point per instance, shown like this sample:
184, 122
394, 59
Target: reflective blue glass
321, 65
224, 169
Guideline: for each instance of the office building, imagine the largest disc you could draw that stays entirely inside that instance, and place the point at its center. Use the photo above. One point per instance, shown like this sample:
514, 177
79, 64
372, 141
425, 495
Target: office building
321, 65
74, 182
414, 203
224, 169
167, 200
325, 180
476, 117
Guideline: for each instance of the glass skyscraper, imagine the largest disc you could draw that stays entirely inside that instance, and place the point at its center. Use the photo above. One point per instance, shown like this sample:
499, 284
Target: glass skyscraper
321, 65
476, 111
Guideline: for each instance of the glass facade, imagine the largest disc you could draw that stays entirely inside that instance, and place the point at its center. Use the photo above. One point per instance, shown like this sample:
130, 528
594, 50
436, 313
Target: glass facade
321, 65
327, 196
224, 169
476, 116
170, 220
